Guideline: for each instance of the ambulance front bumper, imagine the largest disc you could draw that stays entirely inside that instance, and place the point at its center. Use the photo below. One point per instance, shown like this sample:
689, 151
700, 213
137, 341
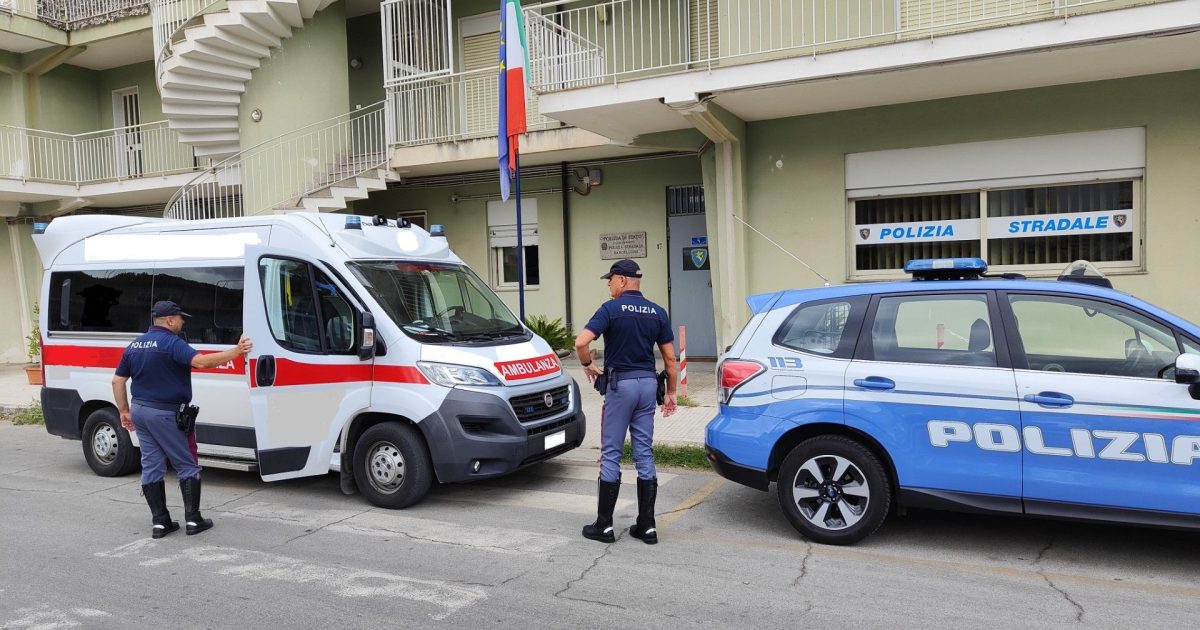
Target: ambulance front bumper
478, 435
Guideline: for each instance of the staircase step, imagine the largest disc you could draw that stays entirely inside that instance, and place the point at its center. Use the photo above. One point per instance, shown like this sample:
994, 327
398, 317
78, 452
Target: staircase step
197, 111
217, 151
209, 69
211, 36
230, 24
323, 4
198, 97
262, 15
188, 81
289, 12
201, 51
322, 204
309, 8
209, 138
203, 125
348, 193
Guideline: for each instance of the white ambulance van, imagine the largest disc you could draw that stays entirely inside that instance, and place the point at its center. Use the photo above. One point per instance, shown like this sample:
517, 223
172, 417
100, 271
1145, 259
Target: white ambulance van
377, 352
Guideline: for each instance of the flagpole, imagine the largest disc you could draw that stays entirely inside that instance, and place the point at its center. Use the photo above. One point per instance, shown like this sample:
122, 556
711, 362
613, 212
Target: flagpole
520, 241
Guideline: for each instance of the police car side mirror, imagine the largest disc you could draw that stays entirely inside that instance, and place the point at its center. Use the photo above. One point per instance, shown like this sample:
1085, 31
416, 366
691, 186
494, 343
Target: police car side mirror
1187, 369
366, 335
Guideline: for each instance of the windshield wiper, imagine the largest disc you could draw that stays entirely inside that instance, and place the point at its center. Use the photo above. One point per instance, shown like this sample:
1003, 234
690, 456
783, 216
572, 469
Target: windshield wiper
426, 329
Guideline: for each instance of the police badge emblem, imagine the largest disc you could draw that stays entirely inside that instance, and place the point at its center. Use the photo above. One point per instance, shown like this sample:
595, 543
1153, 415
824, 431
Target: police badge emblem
1119, 219
865, 233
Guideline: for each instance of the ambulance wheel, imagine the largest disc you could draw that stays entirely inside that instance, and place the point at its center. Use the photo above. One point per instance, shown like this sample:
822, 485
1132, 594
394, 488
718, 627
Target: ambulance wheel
391, 466
106, 445
833, 490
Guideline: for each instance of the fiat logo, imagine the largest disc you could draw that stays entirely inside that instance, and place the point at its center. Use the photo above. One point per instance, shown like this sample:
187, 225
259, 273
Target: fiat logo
548, 398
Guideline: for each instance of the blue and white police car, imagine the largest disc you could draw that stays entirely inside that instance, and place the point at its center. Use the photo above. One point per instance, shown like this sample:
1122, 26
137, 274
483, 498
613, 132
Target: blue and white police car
963, 391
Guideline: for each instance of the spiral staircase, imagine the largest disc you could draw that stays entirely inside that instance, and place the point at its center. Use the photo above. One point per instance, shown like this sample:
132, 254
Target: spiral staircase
205, 53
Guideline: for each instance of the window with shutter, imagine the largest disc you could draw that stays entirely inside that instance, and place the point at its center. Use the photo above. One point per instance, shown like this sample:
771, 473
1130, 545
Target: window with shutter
480, 107
702, 30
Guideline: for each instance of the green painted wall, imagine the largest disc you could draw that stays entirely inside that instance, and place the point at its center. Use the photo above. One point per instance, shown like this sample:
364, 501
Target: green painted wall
140, 75
12, 341
631, 200
303, 82
67, 101
803, 203
364, 40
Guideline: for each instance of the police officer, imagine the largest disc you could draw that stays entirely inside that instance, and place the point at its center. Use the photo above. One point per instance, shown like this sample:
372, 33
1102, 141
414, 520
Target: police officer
631, 326
161, 363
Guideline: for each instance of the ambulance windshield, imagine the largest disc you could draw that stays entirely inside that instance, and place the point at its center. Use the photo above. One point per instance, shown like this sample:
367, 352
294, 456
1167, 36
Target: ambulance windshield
438, 303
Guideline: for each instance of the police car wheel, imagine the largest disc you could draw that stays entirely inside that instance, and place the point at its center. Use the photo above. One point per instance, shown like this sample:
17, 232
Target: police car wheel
391, 465
833, 490
106, 445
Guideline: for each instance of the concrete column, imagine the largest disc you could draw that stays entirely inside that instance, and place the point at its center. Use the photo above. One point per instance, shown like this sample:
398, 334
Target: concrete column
18, 268
724, 173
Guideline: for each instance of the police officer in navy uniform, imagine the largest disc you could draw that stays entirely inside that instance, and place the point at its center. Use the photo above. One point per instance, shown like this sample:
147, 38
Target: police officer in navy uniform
161, 363
631, 327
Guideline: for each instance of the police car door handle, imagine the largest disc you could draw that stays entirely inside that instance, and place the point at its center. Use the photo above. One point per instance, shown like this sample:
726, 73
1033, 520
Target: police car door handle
1050, 399
875, 382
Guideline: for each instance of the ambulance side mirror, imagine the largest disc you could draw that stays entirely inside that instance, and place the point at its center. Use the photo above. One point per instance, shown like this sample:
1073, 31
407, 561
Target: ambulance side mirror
366, 335
1187, 369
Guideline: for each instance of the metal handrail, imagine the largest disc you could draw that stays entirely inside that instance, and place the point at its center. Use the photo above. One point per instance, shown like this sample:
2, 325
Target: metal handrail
282, 170
613, 40
459, 106
169, 17
95, 156
74, 14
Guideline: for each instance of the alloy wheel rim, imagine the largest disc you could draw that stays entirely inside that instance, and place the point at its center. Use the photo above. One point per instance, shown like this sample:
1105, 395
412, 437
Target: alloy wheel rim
831, 492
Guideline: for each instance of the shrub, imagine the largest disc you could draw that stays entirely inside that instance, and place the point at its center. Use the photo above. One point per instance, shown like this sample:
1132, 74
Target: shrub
29, 415
33, 341
554, 332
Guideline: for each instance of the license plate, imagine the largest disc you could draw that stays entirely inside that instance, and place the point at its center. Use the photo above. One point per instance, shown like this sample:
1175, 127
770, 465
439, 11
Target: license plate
556, 439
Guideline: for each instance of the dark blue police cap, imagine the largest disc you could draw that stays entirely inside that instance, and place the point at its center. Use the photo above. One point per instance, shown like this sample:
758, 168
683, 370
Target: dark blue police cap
167, 308
624, 267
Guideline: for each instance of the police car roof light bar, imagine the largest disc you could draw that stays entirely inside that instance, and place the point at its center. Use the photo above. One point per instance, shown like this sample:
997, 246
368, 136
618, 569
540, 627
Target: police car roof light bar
946, 268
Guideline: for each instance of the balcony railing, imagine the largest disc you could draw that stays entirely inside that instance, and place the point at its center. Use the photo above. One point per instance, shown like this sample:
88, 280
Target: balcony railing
278, 172
450, 108
98, 156
75, 14
577, 46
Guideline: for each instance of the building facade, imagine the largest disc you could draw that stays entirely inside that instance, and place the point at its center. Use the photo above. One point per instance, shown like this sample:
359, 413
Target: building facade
731, 147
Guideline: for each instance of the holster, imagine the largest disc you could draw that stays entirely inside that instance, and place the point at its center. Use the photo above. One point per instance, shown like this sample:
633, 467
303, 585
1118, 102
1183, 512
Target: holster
660, 391
185, 418
601, 383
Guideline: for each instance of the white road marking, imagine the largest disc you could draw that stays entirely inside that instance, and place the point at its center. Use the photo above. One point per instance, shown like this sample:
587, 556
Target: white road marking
391, 525
341, 581
46, 618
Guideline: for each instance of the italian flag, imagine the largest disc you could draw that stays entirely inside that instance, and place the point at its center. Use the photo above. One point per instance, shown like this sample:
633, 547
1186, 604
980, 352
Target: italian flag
514, 58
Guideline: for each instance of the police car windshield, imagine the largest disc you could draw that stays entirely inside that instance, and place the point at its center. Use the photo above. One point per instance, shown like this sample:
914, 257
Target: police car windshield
438, 303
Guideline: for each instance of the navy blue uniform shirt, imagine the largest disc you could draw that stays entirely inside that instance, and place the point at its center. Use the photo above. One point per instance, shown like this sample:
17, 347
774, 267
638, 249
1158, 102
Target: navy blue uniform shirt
631, 326
161, 366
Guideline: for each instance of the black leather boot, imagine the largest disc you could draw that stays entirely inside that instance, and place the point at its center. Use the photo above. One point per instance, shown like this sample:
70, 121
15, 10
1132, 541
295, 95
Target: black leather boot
645, 529
602, 529
156, 498
191, 506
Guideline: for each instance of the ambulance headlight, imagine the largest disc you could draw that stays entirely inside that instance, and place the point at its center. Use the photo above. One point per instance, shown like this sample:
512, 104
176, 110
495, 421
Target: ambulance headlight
449, 375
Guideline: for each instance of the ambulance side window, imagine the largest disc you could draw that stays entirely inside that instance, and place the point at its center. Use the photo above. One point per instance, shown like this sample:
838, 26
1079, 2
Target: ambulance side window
306, 311
291, 303
1191, 346
110, 301
337, 316
213, 297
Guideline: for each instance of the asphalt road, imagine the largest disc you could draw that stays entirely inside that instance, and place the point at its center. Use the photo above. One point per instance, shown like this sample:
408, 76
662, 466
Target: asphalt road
75, 551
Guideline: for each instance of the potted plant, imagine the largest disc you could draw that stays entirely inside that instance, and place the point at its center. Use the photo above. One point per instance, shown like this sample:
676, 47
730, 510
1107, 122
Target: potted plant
556, 333
33, 349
